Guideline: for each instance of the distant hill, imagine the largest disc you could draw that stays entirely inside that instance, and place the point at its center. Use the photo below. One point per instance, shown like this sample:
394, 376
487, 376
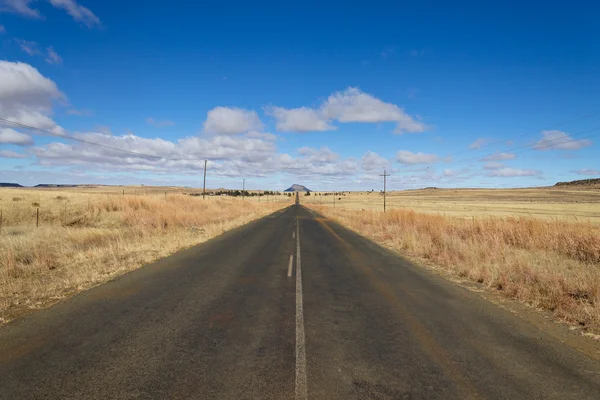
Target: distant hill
52, 185
297, 188
582, 182
9, 185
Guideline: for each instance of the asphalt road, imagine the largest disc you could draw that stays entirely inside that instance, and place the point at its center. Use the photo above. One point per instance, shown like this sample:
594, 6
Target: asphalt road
223, 320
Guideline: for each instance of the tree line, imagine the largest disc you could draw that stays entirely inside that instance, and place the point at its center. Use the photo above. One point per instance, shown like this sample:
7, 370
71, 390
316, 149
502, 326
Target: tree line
239, 193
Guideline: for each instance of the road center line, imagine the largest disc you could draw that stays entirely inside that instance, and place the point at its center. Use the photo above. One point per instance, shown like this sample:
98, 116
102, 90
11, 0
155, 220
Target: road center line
290, 265
301, 385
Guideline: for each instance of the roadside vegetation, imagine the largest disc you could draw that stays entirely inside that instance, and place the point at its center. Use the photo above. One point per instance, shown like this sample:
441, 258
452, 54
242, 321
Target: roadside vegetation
550, 264
87, 238
567, 203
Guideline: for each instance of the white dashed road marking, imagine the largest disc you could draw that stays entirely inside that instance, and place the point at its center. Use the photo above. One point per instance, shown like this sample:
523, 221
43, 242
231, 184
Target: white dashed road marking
301, 385
290, 265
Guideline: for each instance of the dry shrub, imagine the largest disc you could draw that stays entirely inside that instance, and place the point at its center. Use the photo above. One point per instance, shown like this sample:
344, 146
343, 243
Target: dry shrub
99, 237
553, 265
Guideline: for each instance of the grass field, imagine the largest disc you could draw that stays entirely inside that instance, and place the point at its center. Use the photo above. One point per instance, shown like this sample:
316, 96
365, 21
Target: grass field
572, 204
87, 236
540, 246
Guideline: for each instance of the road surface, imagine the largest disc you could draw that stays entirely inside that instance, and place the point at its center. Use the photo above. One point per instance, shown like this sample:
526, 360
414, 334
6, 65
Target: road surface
291, 306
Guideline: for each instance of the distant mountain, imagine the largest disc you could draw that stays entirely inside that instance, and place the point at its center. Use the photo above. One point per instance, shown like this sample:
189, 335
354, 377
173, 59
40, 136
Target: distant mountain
297, 188
583, 182
9, 185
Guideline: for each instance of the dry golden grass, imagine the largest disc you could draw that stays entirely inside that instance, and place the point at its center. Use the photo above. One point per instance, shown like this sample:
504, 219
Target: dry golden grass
87, 237
565, 203
554, 265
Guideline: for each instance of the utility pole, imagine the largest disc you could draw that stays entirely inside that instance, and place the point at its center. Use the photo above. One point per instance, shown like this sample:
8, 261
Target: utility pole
204, 187
333, 199
243, 188
385, 175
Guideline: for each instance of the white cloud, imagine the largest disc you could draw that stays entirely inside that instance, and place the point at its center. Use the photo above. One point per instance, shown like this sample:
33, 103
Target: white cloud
10, 136
478, 143
261, 135
28, 47
322, 155
373, 162
588, 171
301, 119
2, 30
78, 12
159, 123
315, 163
103, 129
493, 165
409, 158
12, 154
513, 172
186, 154
558, 140
500, 157
52, 56
228, 147
351, 105
229, 156
236, 156
20, 7
27, 97
450, 172
32, 49
231, 121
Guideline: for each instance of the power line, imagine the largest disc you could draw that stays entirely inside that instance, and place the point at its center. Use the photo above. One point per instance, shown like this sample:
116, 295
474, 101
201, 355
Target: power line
528, 133
67, 137
572, 138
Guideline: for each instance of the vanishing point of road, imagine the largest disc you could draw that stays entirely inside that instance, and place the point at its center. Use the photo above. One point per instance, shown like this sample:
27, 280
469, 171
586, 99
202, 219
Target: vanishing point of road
292, 306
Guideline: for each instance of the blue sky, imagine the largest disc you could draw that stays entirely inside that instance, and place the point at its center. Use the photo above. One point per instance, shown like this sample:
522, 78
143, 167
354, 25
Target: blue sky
326, 94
